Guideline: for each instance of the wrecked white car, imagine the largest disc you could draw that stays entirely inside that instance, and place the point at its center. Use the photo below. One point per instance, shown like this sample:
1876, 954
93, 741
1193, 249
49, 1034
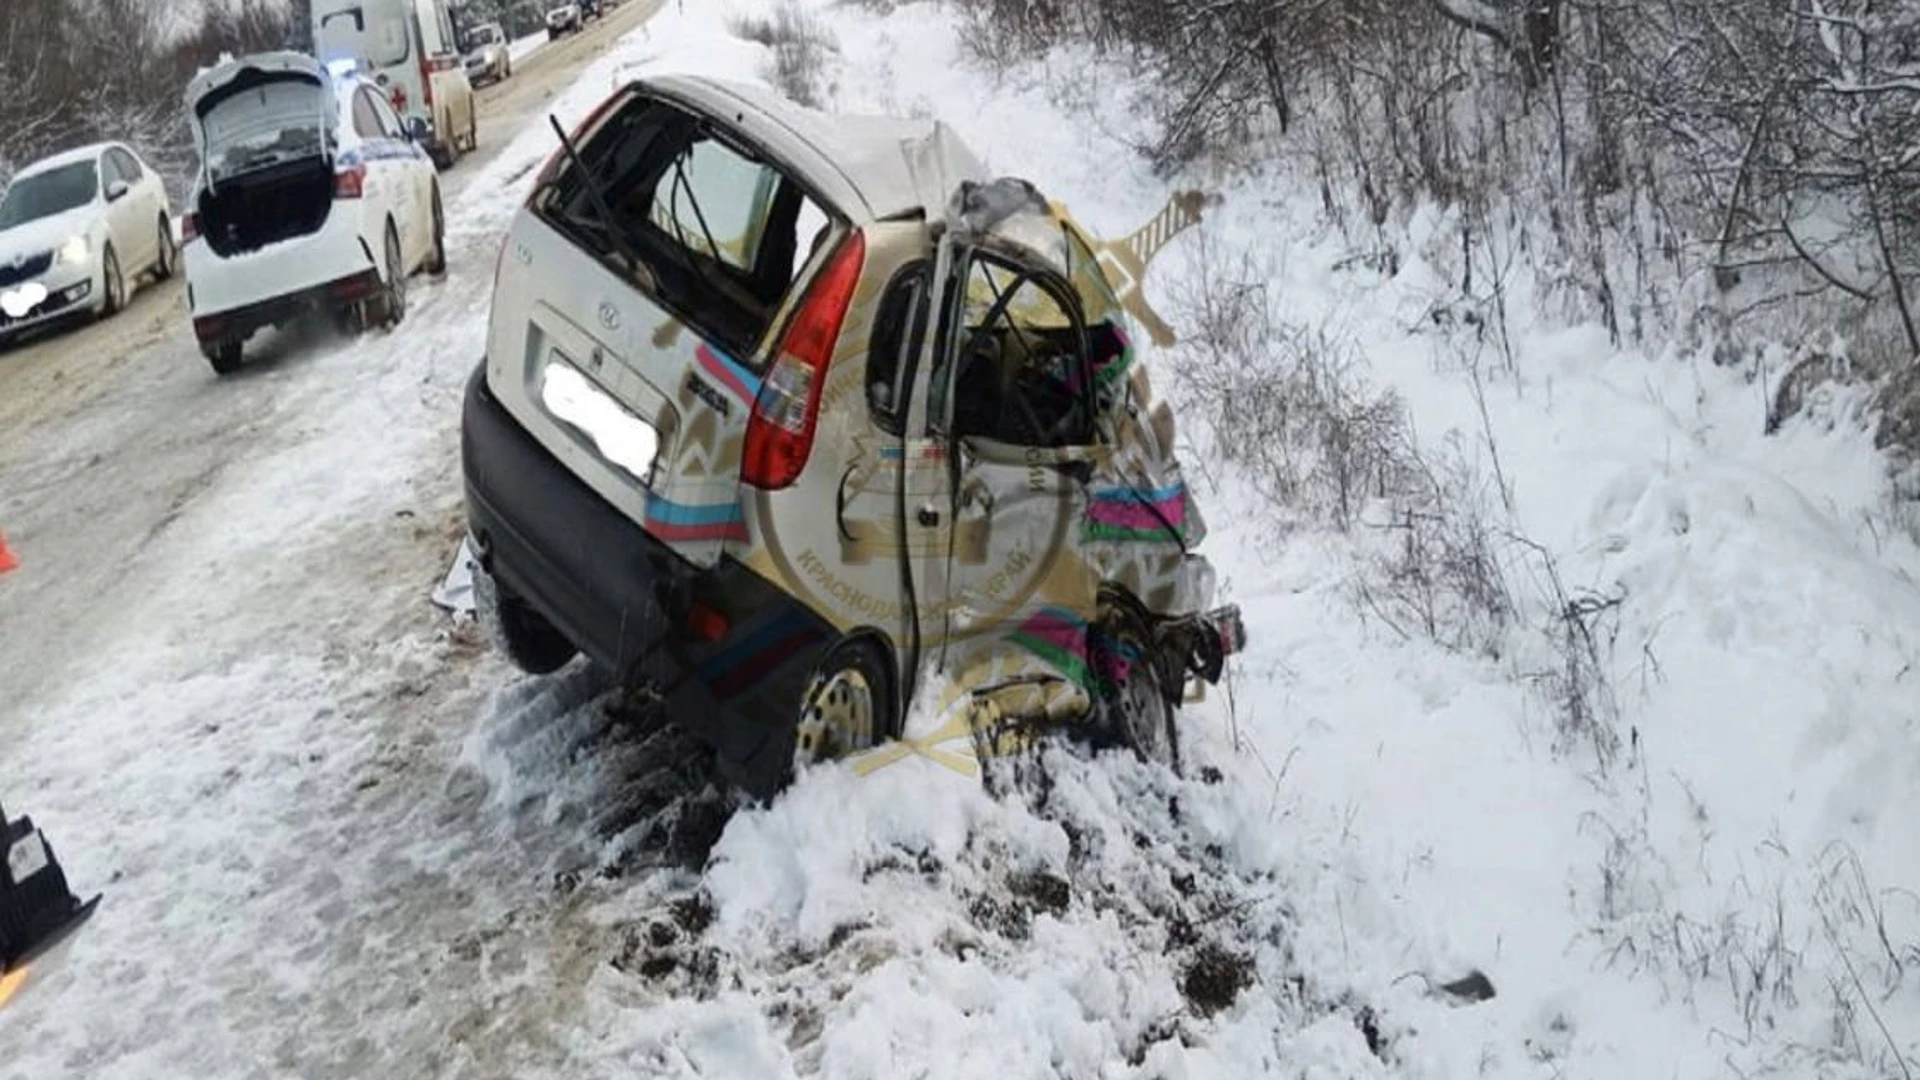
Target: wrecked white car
785, 415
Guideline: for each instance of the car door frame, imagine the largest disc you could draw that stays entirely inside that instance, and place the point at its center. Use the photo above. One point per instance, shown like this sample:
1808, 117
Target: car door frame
975, 466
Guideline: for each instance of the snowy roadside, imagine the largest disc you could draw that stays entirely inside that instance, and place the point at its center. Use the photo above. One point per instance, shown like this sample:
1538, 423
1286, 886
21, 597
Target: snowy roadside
521, 48
1707, 896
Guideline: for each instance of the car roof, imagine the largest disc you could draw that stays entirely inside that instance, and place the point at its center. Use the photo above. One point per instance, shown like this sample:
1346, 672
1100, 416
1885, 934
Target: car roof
871, 167
90, 152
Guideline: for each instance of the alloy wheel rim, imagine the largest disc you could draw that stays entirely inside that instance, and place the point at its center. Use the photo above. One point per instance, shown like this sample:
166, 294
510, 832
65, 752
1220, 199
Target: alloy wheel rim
1143, 710
837, 718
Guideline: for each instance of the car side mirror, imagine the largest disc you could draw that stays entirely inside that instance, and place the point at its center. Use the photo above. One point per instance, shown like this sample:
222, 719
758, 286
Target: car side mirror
117, 190
417, 129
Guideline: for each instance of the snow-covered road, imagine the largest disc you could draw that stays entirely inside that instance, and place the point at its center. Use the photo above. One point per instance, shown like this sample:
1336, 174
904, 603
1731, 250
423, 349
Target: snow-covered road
222, 693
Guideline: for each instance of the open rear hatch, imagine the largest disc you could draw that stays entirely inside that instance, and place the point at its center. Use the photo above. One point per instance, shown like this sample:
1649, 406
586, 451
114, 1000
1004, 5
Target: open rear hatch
264, 128
643, 379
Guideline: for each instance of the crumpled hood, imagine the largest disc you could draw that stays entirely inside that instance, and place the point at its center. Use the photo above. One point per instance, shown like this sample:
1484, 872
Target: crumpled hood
37, 237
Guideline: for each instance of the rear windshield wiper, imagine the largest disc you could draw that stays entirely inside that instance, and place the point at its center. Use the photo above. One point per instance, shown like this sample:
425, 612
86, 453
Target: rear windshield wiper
598, 197
693, 259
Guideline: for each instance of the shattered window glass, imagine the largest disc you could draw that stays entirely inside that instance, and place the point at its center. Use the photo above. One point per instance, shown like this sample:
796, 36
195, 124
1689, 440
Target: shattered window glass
1109, 343
1019, 373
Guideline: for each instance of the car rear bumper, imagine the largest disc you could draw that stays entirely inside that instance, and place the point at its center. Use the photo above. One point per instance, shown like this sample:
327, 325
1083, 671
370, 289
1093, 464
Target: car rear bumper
238, 324
729, 653
231, 285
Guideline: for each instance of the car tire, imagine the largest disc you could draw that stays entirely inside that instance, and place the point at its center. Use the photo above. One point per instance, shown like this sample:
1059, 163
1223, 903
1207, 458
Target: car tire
168, 258
521, 634
1134, 709
113, 283
393, 299
225, 356
436, 263
846, 705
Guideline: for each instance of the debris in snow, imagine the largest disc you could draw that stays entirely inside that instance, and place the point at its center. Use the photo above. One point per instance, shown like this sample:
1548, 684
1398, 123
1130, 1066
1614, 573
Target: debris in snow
455, 591
37, 908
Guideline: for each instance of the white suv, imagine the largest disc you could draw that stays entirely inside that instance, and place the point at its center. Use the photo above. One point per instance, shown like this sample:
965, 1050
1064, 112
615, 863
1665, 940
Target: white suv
564, 19
310, 197
76, 230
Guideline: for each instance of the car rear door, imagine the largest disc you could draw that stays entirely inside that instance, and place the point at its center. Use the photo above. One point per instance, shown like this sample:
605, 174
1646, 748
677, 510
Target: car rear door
643, 377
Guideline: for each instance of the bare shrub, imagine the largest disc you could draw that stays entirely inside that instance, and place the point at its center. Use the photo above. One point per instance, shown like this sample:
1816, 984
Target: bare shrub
1441, 575
1441, 558
74, 72
800, 48
1290, 403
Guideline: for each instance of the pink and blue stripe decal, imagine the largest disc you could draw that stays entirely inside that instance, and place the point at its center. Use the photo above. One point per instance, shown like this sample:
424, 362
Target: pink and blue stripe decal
726, 371
1129, 514
672, 521
1059, 637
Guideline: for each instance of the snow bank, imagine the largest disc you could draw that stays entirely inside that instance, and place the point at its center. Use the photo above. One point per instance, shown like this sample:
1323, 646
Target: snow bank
1708, 898
520, 48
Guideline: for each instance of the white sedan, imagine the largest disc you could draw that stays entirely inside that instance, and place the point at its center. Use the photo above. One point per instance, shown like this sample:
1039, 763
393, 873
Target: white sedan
76, 231
311, 197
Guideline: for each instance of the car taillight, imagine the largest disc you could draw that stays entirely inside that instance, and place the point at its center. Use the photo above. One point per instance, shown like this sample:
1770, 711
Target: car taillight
350, 183
189, 226
780, 431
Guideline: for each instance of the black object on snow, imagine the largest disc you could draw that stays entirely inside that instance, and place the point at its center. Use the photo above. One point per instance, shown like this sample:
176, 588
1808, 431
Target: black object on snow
36, 907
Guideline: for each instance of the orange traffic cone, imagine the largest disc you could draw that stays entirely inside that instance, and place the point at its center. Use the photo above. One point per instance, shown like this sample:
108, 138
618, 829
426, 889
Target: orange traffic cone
8, 560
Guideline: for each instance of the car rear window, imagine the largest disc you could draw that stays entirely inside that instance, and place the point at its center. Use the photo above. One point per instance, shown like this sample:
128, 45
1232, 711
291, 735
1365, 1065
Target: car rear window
723, 232
264, 125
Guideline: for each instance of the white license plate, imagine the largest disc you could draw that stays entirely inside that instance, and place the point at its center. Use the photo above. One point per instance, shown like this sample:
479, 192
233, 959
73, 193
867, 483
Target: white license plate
622, 438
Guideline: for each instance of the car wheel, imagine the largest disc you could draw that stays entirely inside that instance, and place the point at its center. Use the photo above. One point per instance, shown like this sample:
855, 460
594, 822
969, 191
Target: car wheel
113, 283
847, 705
1134, 708
164, 262
393, 304
521, 634
225, 356
437, 259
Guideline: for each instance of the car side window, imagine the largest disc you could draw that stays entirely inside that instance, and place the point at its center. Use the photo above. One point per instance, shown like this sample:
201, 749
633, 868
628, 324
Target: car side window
366, 116
124, 164
384, 115
1017, 370
899, 330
